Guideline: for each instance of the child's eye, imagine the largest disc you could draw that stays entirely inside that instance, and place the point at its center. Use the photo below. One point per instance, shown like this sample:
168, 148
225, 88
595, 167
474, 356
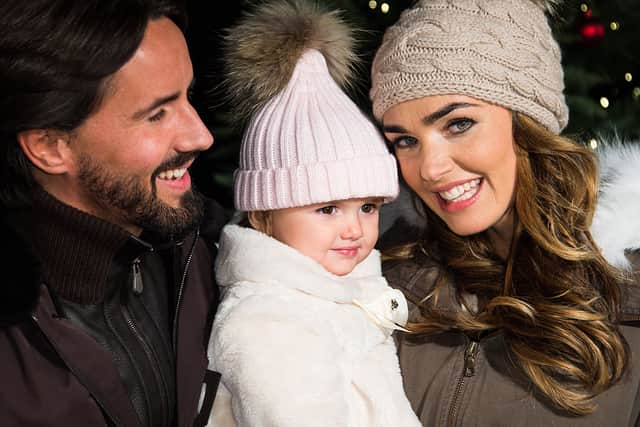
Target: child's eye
157, 116
369, 207
460, 125
327, 210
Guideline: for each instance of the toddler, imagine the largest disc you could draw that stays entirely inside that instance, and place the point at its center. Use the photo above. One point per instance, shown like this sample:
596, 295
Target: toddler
303, 335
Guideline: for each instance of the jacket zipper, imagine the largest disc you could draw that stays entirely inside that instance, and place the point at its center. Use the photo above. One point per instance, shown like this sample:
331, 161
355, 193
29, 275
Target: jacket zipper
152, 360
137, 277
180, 291
469, 370
113, 418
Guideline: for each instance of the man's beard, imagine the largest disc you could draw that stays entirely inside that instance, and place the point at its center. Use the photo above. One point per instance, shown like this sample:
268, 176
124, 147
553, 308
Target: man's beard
127, 199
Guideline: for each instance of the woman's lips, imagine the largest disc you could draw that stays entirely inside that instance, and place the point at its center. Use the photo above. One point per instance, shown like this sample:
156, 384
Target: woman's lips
462, 201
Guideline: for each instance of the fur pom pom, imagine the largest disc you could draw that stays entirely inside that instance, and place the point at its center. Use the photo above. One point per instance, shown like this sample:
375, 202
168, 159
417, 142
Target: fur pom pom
262, 50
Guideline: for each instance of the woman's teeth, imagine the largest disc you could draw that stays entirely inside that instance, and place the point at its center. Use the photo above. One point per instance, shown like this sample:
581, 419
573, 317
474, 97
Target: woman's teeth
172, 174
461, 192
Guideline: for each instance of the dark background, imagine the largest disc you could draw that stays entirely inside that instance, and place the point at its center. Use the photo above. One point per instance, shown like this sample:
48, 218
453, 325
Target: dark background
600, 42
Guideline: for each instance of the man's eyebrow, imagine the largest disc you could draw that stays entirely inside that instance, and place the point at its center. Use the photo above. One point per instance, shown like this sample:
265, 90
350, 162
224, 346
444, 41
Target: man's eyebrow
155, 104
161, 101
427, 120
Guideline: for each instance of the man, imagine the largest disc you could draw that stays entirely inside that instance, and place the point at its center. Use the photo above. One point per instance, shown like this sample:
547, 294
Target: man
107, 295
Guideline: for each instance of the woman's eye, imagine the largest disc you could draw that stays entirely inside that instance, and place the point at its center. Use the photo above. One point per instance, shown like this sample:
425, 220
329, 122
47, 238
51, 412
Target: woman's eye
157, 116
460, 125
403, 142
327, 210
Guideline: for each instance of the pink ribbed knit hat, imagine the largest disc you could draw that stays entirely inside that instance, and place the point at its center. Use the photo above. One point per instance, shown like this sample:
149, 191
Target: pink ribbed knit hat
309, 142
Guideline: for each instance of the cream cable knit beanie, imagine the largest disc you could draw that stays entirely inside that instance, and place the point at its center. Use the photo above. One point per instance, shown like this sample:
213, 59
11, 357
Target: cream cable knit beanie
500, 51
306, 142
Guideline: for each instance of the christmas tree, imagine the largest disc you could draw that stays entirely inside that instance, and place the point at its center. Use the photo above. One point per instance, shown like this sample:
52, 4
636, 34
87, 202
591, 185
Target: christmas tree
599, 41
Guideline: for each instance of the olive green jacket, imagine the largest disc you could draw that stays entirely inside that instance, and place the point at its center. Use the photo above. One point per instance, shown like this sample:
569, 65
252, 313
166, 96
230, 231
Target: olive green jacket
453, 381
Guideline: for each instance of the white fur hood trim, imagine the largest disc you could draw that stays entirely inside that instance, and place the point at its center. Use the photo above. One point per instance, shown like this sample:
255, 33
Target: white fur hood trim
616, 224
246, 255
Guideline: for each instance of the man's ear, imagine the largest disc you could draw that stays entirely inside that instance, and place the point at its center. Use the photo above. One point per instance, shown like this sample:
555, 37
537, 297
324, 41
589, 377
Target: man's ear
47, 149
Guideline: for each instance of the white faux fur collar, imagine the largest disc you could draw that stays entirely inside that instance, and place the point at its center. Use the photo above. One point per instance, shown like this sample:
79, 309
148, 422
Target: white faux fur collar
246, 255
616, 224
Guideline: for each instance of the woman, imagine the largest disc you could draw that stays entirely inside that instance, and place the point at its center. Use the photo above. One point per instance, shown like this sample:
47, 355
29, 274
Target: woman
519, 318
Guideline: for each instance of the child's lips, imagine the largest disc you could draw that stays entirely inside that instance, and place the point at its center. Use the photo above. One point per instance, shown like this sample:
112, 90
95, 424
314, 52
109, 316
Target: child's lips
348, 251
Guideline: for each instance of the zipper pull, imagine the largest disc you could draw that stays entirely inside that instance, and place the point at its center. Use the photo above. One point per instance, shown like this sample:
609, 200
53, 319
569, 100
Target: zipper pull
470, 359
137, 277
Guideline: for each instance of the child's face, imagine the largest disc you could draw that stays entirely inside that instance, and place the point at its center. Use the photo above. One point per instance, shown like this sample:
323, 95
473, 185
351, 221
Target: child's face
338, 235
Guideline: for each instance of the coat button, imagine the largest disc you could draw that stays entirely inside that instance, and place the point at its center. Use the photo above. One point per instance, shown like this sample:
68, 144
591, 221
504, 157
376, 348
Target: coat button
394, 304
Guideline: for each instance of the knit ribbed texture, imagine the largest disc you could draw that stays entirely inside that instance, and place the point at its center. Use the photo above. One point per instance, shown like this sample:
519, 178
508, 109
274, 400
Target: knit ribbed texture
79, 249
499, 51
311, 144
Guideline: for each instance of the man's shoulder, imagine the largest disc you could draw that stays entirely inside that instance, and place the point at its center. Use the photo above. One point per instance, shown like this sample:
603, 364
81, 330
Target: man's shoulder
214, 218
21, 281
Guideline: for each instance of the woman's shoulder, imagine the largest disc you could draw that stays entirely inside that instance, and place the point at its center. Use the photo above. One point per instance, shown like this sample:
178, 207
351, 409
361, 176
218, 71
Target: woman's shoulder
414, 276
630, 291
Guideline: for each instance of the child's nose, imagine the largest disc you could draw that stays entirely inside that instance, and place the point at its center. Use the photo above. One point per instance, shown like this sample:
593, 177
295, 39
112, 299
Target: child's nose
353, 229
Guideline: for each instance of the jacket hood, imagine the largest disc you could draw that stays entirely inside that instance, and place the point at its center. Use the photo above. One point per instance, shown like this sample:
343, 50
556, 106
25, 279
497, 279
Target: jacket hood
615, 228
20, 288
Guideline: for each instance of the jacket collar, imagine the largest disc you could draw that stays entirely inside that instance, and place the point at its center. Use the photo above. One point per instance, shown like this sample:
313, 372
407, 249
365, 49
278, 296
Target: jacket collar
78, 249
248, 255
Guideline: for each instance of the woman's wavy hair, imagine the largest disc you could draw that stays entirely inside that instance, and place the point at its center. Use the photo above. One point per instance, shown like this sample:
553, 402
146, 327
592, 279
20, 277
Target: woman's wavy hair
555, 297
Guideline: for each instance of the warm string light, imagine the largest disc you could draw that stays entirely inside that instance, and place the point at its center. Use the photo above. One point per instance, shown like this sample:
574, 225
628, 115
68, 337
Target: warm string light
604, 102
628, 77
384, 6
593, 143
615, 26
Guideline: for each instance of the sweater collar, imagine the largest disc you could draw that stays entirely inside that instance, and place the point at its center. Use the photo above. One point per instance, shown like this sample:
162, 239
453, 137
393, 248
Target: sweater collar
249, 255
76, 249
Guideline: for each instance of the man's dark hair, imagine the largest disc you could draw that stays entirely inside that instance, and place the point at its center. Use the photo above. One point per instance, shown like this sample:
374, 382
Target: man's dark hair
56, 57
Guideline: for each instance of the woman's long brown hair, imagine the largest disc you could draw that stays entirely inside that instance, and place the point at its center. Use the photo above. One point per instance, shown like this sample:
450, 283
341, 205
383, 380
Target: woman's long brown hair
555, 297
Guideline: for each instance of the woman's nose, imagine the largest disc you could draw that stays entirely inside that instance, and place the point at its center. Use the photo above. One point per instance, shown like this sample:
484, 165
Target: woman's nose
435, 163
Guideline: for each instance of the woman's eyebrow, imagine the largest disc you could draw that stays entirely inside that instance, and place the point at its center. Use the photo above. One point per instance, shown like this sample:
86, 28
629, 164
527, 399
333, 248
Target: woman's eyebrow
431, 117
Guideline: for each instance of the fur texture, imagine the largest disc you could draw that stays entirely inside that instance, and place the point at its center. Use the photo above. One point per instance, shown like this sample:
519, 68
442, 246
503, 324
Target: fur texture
262, 50
297, 345
616, 228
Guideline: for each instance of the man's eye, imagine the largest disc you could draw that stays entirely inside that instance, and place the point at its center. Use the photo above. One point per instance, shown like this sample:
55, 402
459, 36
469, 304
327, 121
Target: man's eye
156, 117
327, 210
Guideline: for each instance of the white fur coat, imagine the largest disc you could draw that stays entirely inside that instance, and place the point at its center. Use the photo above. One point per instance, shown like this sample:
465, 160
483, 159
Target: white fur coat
299, 346
616, 224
